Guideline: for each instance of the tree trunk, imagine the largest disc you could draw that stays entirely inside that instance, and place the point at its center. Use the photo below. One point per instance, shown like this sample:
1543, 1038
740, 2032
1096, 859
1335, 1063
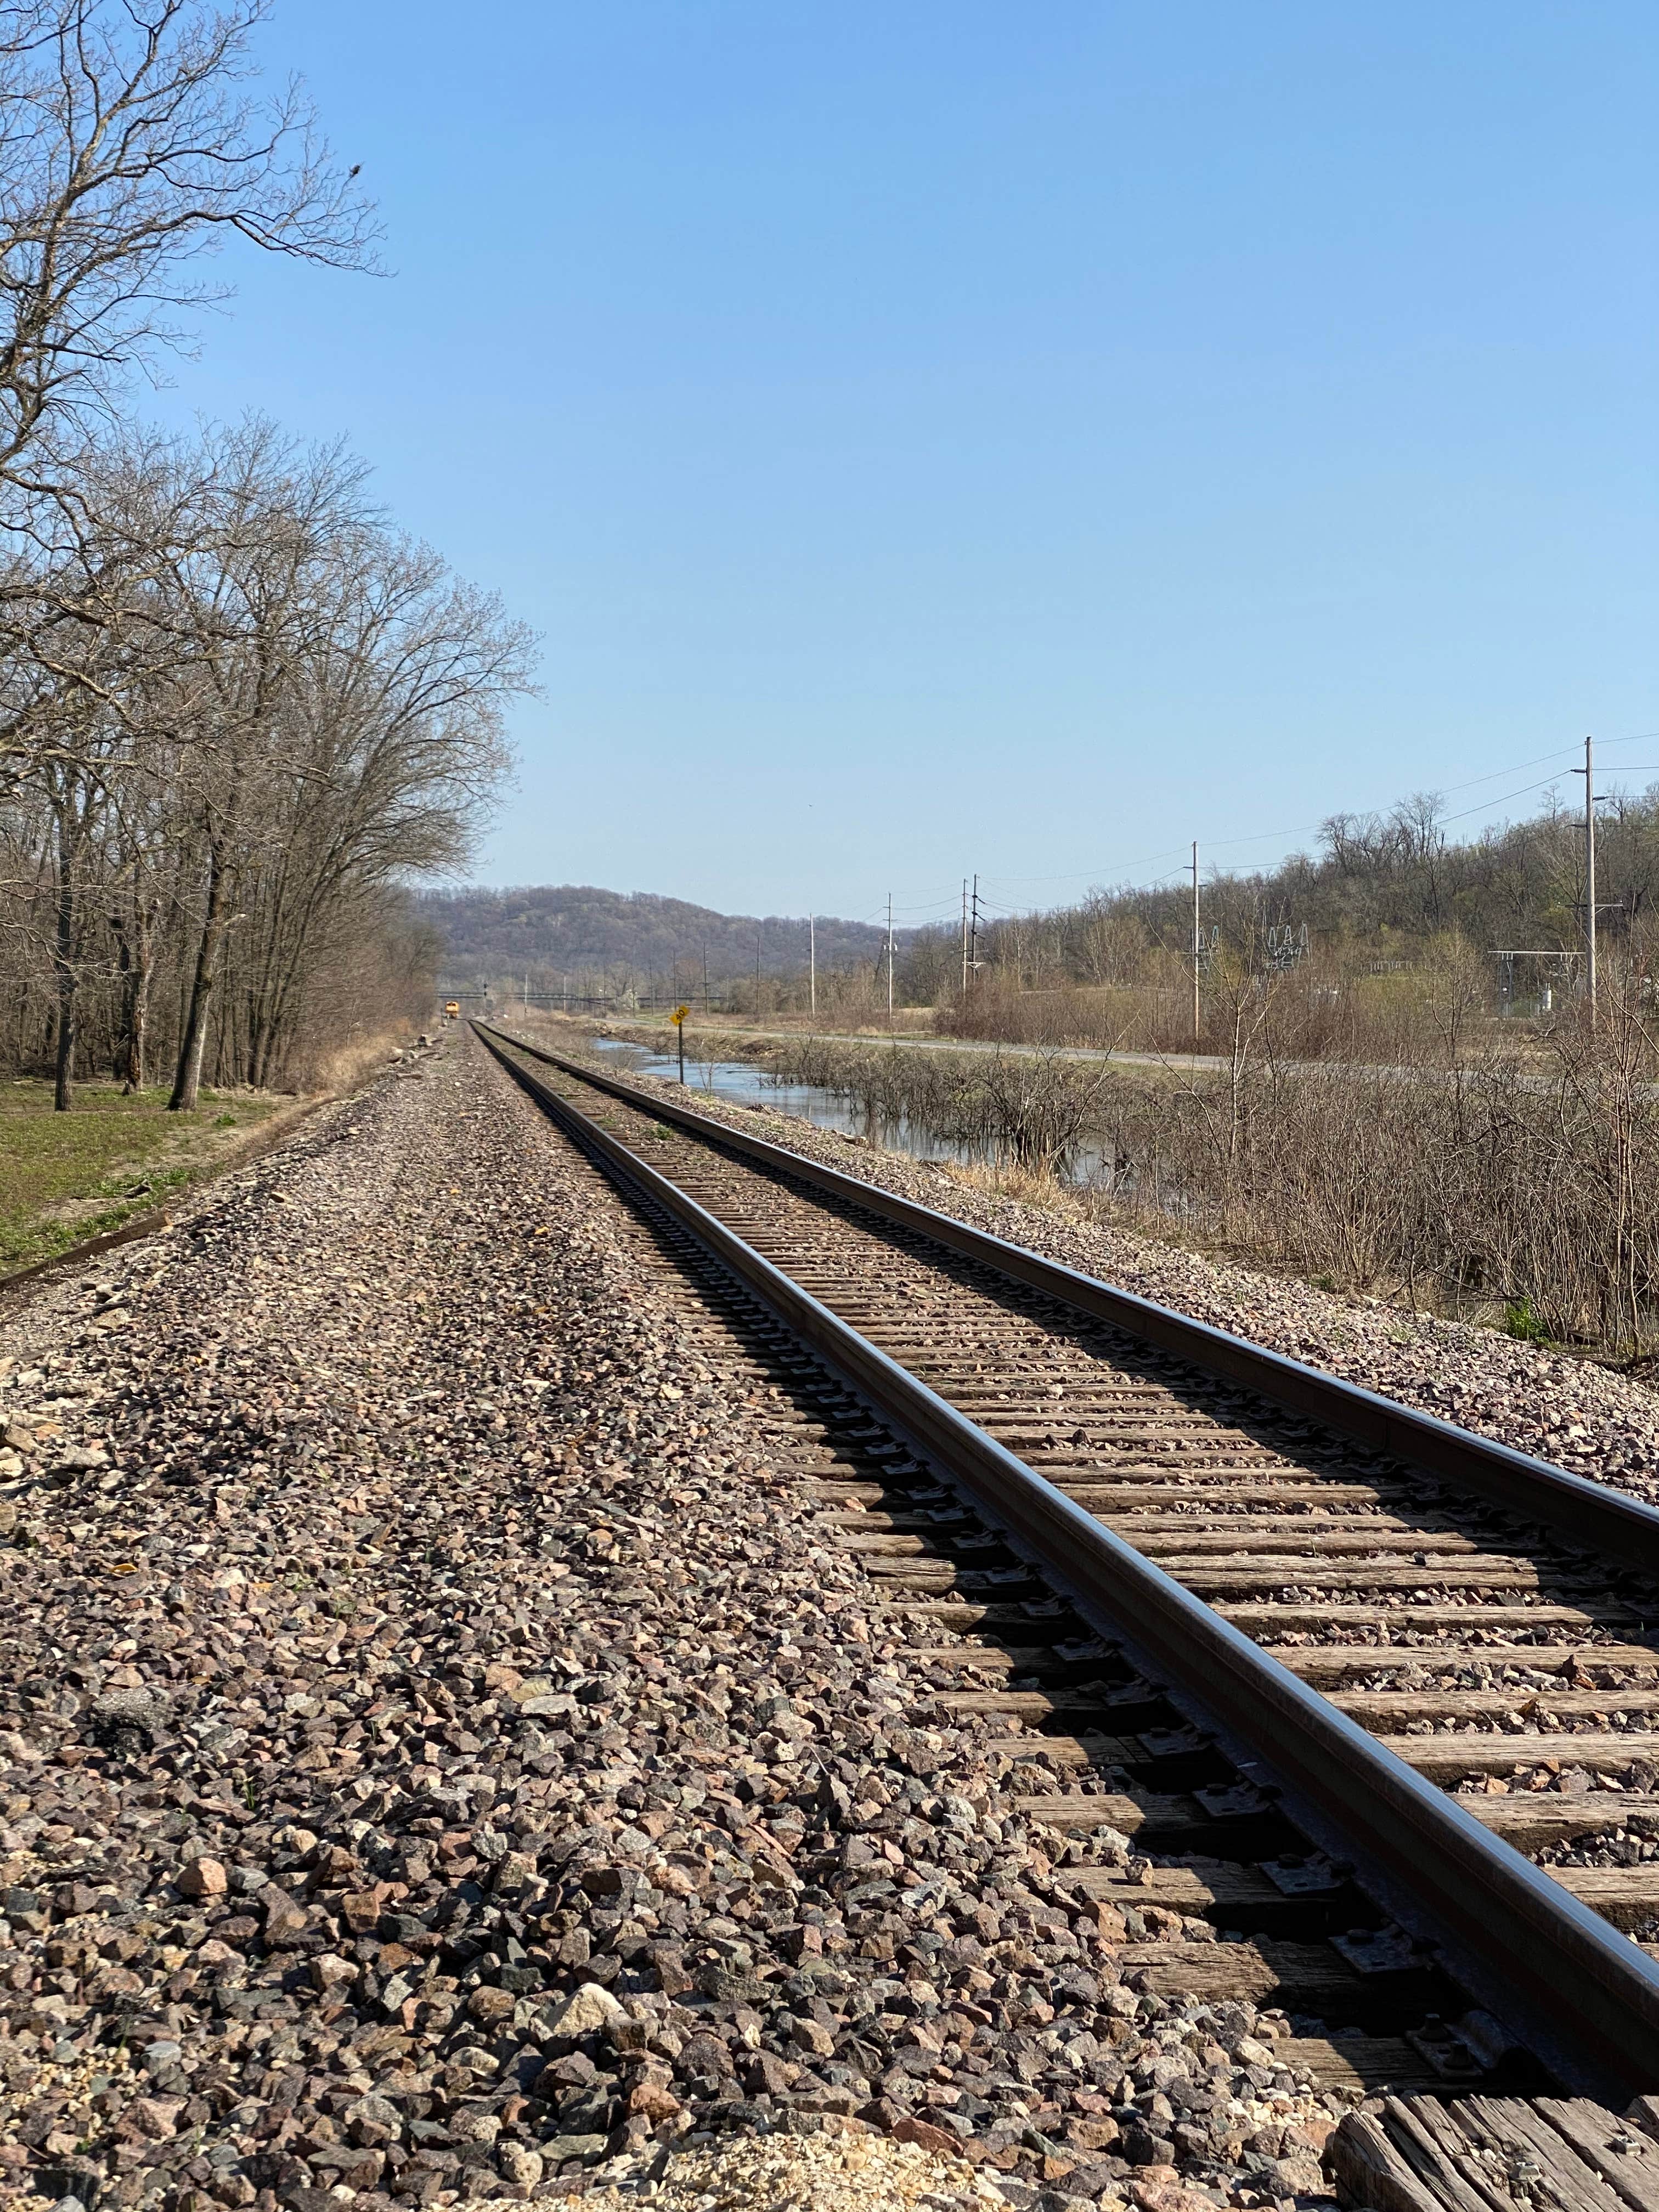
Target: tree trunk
138, 1007
64, 962
138, 958
188, 1081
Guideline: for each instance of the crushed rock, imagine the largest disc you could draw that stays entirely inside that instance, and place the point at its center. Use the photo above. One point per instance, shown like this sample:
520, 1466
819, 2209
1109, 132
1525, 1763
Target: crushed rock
792, 2174
407, 1629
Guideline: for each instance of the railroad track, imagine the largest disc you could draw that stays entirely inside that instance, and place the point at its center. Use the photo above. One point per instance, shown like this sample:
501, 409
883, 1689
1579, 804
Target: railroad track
1379, 1698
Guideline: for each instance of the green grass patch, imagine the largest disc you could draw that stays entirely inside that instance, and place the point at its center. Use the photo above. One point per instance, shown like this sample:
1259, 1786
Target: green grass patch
1522, 1319
64, 1177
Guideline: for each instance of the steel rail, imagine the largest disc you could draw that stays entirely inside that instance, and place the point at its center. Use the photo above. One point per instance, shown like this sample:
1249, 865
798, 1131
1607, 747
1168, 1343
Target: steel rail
1593, 1996
1586, 1513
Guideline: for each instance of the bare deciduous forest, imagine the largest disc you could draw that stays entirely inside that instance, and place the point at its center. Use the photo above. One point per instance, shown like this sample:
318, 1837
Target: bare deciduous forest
238, 708
1348, 935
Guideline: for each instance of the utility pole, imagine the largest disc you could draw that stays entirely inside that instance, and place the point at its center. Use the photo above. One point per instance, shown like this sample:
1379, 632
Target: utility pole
964, 937
889, 963
758, 925
1589, 877
1587, 772
973, 932
1195, 946
526, 990
812, 964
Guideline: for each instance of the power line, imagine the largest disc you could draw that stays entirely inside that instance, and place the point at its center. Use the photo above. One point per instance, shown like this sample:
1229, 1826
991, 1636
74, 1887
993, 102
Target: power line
939, 908
1177, 854
1630, 767
1480, 806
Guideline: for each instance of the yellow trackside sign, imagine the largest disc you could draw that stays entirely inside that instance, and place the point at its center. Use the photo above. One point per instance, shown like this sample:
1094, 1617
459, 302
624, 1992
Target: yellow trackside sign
680, 1015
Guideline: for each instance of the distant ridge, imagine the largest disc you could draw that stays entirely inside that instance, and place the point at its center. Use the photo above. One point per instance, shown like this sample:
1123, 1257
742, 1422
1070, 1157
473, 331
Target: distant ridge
549, 930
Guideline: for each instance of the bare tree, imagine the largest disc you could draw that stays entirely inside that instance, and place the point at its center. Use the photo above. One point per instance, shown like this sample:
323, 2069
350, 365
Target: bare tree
85, 633
393, 752
249, 583
129, 147
236, 712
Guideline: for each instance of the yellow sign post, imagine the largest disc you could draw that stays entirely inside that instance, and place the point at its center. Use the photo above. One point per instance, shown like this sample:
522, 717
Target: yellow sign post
678, 1020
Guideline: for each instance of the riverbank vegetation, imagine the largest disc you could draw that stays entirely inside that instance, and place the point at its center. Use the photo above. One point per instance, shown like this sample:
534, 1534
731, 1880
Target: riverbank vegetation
1513, 1192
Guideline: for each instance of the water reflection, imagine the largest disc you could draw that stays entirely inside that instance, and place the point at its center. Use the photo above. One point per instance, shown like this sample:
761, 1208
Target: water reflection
746, 1083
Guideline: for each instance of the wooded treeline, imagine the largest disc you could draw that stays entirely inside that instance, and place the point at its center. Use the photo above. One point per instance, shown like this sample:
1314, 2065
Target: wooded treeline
1391, 883
1366, 927
238, 709
1357, 939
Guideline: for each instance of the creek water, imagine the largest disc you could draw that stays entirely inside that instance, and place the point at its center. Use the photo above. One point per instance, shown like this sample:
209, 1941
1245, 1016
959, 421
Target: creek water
743, 1082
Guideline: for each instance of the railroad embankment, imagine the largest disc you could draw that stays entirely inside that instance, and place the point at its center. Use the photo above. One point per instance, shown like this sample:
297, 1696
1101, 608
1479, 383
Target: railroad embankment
442, 1756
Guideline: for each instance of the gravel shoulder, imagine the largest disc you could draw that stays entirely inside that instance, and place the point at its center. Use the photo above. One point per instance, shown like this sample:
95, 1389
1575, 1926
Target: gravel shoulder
440, 1758
1591, 1419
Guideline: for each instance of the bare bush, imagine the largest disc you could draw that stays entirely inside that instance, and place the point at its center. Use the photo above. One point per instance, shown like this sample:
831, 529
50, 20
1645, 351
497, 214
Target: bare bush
1032, 1109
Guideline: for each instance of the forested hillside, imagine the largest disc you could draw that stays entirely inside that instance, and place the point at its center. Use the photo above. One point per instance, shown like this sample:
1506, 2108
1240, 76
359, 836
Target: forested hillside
1390, 917
576, 936
1390, 883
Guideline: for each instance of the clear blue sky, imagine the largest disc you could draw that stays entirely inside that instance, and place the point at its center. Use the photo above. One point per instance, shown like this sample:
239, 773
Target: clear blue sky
936, 437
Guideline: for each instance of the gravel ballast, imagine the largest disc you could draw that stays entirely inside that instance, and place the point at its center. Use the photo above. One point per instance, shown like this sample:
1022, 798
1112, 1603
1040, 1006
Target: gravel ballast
442, 1758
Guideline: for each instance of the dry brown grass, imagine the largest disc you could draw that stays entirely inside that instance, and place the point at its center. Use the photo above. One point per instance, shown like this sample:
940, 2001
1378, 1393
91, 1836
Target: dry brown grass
346, 1067
1338, 1005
